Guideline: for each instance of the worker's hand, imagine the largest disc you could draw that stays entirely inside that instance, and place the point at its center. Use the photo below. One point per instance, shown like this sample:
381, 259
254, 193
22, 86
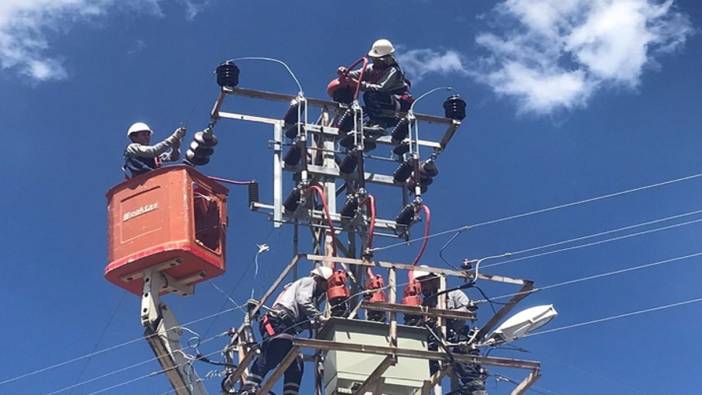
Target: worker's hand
180, 132
341, 71
319, 322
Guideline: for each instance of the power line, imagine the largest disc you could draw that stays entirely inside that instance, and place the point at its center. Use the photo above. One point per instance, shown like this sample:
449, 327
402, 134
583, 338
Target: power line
594, 243
541, 211
596, 276
107, 349
533, 388
564, 283
618, 316
151, 374
102, 334
129, 367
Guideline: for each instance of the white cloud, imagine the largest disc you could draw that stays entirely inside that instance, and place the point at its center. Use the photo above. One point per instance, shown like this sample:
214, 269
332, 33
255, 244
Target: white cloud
555, 54
419, 62
193, 8
27, 26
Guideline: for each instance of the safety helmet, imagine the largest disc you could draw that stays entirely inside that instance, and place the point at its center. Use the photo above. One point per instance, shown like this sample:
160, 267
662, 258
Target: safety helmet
381, 48
422, 274
139, 127
322, 271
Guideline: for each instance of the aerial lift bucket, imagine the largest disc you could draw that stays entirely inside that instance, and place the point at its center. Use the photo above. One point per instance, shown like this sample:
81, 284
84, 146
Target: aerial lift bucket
171, 220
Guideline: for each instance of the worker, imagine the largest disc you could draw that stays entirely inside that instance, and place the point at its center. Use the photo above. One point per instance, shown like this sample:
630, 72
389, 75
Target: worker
140, 157
293, 311
386, 90
471, 375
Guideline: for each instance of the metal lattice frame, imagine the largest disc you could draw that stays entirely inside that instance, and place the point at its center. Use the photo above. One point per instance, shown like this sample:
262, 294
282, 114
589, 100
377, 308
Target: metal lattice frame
322, 169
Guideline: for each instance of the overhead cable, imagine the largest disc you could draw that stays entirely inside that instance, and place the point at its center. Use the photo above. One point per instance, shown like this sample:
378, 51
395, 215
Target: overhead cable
616, 317
123, 369
107, 349
596, 276
540, 211
594, 243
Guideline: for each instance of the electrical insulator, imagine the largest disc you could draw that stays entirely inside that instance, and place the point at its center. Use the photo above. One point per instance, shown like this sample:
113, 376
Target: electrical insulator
401, 131
411, 296
406, 215
412, 184
401, 148
200, 148
403, 172
291, 131
375, 288
427, 171
455, 108
338, 293
347, 142
341, 91
253, 193
345, 122
227, 75
349, 163
292, 115
350, 207
293, 200
293, 156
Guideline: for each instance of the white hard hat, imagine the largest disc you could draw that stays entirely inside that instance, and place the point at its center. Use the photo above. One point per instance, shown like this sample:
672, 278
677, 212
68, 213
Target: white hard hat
139, 127
381, 48
322, 271
417, 274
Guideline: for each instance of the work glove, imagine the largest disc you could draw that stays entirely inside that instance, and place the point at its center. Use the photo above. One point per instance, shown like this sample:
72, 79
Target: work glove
318, 322
179, 133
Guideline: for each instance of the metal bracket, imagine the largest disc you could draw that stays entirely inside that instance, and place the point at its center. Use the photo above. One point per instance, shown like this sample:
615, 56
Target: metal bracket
163, 335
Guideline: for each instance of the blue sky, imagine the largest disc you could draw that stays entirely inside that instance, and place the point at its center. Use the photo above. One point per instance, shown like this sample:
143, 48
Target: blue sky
567, 100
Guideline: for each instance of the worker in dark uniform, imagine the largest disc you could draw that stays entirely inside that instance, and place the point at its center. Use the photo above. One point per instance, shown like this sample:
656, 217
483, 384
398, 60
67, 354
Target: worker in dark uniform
293, 311
140, 157
385, 88
471, 375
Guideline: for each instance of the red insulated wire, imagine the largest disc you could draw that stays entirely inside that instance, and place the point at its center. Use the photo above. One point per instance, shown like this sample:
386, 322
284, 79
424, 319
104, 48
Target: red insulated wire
427, 228
323, 198
363, 60
371, 228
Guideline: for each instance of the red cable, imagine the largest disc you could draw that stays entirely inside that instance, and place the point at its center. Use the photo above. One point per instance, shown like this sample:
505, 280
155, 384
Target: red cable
323, 197
363, 60
427, 227
371, 228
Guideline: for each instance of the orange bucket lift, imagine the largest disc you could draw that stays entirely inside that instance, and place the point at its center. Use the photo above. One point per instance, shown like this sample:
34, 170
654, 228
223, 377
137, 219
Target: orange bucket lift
171, 220
167, 232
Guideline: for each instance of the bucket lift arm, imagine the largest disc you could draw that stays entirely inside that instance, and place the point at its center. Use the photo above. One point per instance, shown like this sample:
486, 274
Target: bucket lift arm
162, 332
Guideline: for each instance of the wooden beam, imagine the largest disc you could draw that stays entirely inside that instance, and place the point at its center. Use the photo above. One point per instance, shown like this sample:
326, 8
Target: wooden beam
278, 372
392, 284
433, 381
377, 373
526, 383
241, 368
490, 325
419, 310
466, 274
421, 354
389, 265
